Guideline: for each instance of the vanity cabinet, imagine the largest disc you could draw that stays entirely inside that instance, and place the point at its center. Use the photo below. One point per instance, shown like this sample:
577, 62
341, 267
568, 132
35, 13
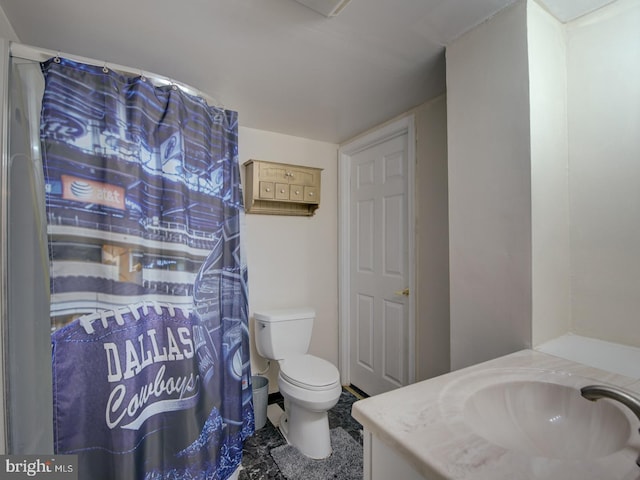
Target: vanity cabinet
281, 189
381, 462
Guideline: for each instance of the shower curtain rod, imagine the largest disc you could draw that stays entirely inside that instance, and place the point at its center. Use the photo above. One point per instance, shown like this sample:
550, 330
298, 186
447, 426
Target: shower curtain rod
37, 54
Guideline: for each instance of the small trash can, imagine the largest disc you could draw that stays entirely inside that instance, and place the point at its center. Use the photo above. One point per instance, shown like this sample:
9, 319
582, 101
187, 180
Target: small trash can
260, 387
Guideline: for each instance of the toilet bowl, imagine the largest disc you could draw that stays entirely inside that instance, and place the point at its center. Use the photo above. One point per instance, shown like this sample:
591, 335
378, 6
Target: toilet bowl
309, 385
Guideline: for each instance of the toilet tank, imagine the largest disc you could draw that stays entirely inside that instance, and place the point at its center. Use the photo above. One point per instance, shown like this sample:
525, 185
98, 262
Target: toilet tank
282, 333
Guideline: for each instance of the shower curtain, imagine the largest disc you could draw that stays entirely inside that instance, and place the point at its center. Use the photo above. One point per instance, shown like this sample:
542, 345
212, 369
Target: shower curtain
150, 349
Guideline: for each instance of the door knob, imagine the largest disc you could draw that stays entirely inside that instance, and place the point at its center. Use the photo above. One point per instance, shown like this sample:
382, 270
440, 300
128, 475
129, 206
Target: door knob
404, 292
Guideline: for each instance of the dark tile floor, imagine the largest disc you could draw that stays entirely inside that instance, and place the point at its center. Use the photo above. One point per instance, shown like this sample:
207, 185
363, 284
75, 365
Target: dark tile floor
257, 462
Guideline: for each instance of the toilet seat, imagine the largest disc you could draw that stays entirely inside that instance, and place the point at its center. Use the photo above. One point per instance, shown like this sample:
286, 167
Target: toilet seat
309, 372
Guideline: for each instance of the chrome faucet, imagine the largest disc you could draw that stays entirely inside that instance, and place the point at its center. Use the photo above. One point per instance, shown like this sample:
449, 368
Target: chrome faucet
594, 392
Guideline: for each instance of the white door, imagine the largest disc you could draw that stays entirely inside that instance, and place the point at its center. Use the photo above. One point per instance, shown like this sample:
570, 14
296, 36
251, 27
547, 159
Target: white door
379, 302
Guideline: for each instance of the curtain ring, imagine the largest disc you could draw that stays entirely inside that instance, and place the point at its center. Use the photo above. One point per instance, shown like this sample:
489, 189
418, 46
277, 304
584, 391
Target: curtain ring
57, 57
104, 68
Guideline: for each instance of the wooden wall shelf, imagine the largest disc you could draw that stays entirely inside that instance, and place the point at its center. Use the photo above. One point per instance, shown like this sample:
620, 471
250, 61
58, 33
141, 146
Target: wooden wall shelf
281, 189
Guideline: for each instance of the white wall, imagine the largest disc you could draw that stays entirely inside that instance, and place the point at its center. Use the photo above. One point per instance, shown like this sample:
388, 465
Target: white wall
550, 281
292, 261
432, 240
489, 189
6, 30
584, 116
604, 154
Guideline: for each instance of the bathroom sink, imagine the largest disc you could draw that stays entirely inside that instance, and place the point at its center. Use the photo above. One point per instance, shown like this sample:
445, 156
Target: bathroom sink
546, 419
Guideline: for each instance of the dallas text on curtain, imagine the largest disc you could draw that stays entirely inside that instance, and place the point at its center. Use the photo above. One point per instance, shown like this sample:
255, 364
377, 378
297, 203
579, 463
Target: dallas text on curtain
150, 348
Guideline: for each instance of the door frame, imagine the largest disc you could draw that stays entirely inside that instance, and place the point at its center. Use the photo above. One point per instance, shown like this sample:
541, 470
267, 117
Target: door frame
404, 125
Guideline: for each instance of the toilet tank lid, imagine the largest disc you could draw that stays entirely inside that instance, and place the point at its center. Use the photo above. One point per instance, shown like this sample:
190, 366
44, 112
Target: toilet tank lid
285, 314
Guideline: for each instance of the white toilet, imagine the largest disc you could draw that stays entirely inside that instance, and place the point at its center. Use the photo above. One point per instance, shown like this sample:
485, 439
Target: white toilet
310, 385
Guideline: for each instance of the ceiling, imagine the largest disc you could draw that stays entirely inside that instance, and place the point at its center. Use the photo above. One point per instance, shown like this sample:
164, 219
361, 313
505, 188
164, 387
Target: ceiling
282, 66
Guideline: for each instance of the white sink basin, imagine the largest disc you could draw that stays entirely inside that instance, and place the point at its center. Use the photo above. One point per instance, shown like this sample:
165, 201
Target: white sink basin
546, 420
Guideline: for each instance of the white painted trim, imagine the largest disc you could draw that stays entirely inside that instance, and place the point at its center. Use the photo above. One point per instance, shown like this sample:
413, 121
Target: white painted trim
345, 152
4, 213
411, 232
344, 180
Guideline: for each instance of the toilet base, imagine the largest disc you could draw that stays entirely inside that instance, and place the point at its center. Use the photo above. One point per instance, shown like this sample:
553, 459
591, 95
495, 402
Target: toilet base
307, 431
305, 424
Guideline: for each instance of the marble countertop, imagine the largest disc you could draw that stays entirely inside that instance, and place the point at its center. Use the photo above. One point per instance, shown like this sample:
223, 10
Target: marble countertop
424, 423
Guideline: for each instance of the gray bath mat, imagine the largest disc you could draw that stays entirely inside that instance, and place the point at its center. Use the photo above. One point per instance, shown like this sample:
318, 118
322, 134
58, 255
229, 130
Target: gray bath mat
345, 463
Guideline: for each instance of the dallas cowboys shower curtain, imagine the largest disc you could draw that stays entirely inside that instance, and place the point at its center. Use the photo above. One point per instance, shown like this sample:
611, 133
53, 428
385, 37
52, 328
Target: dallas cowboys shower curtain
150, 348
